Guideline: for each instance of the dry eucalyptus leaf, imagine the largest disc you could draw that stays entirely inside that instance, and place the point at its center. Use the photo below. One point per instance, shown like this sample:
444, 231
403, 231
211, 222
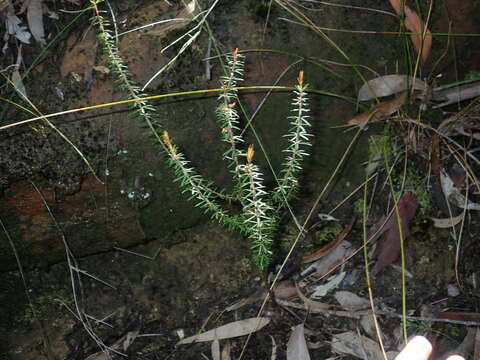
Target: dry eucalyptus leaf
447, 222
231, 330
350, 300
380, 110
18, 83
297, 345
389, 243
367, 323
359, 346
227, 349
14, 28
416, 25
388, 85
332, 283
216, 350
454, 195
35, 20
332, 259
455, 94
274, 348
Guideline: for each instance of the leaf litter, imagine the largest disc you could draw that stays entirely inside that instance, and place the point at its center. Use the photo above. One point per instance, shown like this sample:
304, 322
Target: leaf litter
389, 242
297, 345
421, 37
230, 330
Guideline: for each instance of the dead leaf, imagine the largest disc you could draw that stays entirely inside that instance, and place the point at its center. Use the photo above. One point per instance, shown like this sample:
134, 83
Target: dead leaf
16, 78
297, 345
367, 322
388, 85
330, 246
274, 348
215, 348
35, 20
227, 349
454, 195
332, 283
18, 83
102, 69
455, 94
284, 290
389, 244
351, 301
336, 256
121, 344
314, 306
416, 25
380, 110
231, 330
14, 28
356, 345
447, 222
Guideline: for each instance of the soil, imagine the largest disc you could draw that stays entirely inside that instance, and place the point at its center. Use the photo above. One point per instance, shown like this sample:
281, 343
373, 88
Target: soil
123, 252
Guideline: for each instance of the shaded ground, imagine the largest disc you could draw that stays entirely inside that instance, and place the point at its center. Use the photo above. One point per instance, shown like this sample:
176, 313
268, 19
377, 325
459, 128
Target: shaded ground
196, 270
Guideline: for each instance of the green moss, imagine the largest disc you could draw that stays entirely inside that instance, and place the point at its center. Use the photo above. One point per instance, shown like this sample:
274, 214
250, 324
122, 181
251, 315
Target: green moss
380, 145
416, 182
417, 327
328, 234
41, 306
358, 207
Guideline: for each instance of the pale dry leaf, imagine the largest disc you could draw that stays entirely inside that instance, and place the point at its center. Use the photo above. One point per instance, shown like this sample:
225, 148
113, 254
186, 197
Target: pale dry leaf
350, 300
35, 20
297, 345
14, 28
231, 330
226, 350
447, 222
102, 69
329, 261
454, 194
332, 283
455, 94
388, 85
128, 339
215, 348
274, 348
367, 322
313, 306
16, 78
18, 83
357, 345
